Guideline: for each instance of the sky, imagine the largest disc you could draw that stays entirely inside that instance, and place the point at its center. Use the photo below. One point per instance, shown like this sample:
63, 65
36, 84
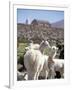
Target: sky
46, 15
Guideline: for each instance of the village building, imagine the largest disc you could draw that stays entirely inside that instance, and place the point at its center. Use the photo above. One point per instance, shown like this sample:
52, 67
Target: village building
41, 23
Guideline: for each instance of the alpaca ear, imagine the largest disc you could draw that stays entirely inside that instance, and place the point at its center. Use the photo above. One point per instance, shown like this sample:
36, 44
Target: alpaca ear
42, 41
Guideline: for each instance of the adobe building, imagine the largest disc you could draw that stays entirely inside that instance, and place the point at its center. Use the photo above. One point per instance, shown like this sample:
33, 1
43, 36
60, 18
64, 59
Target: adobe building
41, 23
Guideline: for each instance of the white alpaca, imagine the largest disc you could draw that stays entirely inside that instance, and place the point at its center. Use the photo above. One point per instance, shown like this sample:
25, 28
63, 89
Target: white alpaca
34, 61
50, 63
59, 66
58, 63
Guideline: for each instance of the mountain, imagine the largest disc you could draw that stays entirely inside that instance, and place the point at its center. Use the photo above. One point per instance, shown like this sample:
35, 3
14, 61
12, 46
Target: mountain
58, 24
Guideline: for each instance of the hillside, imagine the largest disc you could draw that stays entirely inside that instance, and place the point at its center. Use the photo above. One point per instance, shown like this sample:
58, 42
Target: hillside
38, 33
59, 24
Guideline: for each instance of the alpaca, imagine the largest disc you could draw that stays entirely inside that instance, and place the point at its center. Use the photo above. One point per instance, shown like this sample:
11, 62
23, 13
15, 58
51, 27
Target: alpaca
59, 66
34, 61
49, 62
54, 65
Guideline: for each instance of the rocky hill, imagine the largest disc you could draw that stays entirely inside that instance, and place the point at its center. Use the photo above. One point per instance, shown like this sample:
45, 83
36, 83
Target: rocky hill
38, 33
58, 24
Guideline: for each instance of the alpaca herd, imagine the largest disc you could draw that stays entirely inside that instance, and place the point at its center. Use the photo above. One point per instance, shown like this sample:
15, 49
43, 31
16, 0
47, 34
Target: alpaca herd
38, 63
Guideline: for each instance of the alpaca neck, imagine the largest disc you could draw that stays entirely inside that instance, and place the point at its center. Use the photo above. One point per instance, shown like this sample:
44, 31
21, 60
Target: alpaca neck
54, 55
41, 49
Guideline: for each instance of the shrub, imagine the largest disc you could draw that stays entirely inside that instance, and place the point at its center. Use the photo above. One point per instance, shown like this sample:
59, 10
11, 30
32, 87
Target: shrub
20, 53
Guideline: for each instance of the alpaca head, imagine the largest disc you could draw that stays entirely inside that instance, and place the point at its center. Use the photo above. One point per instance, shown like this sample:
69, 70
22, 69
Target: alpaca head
54, 51
44, 44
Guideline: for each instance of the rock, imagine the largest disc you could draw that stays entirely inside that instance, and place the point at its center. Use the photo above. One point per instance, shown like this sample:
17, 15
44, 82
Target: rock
19, 67
22, 76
